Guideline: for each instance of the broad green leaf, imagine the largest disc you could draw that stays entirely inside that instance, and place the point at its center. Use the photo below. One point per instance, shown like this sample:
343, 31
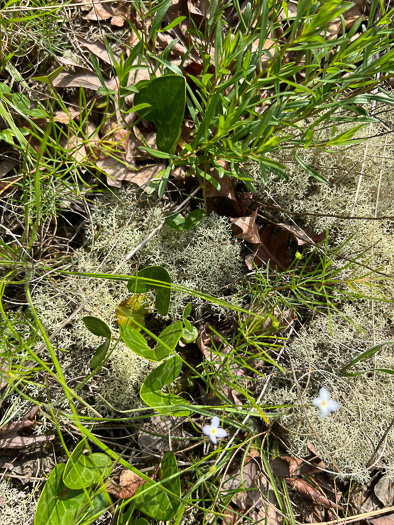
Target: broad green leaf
161, 376
83, 471
167, 98
163, 293
155, 502
59, 505
136, 342
189, 336
169, 338
179, 222
97, 326
366, 355
100, 354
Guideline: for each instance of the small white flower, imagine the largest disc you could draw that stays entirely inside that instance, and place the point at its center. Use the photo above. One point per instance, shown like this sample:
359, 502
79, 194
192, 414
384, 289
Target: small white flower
324, 403
214, 431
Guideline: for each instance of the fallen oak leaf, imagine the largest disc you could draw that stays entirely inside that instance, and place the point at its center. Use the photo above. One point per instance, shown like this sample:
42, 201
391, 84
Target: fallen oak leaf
272, 249
117, 172
246, 228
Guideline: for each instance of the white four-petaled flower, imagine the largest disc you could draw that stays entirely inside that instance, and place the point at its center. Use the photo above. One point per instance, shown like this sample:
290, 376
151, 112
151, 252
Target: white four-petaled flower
214, 431
324, 403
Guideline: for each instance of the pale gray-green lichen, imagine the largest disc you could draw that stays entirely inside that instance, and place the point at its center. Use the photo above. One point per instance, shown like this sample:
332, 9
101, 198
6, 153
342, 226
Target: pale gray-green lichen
16, 505
360, 183
205, 258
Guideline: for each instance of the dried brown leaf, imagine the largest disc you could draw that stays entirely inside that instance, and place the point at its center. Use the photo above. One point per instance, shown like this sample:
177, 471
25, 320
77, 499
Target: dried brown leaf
164, 40
117, 172
384, 491
286, 466
302, 236
247, 479
129, 482
82, 78
99, 12
246, 228
13, 441
272, 249
99, 50
104, 11
303, 487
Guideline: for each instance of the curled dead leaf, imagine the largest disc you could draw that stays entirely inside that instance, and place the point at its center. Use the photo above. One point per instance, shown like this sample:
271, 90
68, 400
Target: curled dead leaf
246, 228
129, 482
303, 487
272, 249
101, 12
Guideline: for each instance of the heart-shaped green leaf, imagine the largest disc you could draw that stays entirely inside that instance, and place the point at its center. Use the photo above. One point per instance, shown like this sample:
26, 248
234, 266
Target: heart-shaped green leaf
58, 504
167, 98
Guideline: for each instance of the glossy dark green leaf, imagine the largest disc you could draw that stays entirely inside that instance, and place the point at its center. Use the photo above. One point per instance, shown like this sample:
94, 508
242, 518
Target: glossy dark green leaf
155, 502
161, 376
97, 326
167, 98
179, 222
